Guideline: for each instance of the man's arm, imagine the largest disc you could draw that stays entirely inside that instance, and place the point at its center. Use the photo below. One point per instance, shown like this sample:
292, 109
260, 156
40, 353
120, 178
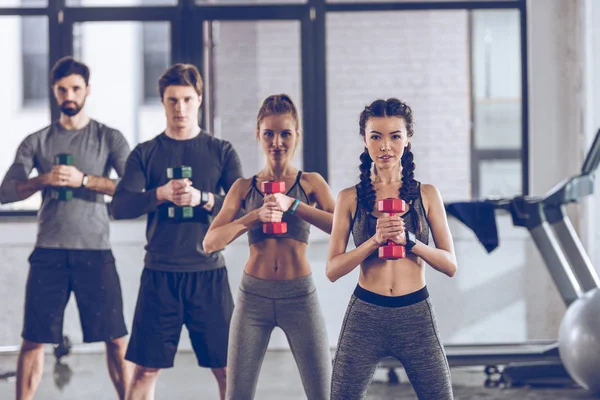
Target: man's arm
16, 186
118, 152
232, 171
131, 199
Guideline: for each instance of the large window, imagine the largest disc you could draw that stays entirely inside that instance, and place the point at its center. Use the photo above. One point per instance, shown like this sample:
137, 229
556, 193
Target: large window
123, 77
459, 69
156, 46
252, 60
496, 90
23, 3
119, 3
24, 82
34, 46
418, 57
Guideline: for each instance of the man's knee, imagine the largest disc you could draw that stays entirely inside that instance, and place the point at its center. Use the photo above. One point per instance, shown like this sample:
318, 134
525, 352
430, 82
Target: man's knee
145, 373
27, 346
220, 373
115, 344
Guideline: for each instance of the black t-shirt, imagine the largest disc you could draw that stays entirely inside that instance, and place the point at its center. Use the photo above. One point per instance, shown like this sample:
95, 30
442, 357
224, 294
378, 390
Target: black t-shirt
176, 245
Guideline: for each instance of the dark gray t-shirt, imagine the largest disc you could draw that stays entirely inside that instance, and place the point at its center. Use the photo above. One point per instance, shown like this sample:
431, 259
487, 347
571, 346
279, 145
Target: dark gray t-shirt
172, 245
83, 222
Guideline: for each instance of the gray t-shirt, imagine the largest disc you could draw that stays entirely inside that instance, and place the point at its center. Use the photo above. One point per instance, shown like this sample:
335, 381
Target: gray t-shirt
83, 222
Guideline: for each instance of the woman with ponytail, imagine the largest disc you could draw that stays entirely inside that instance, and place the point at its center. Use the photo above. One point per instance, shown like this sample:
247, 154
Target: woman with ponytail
277, 287
390, 313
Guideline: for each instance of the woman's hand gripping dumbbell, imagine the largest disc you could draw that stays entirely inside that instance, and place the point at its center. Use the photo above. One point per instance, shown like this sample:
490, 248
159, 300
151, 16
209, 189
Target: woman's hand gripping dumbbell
270, 214
390, 229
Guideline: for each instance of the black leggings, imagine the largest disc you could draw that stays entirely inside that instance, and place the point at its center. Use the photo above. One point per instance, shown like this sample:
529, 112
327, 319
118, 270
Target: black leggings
402, 327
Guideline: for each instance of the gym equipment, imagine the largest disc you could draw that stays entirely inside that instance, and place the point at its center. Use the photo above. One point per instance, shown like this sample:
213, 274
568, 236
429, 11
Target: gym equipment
274, 228
62, 371
176, 212
579, 340
63, 348
62, 193
391, 250
549, 363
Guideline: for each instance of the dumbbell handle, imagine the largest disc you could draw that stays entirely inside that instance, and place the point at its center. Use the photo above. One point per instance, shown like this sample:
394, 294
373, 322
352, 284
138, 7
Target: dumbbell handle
391, 242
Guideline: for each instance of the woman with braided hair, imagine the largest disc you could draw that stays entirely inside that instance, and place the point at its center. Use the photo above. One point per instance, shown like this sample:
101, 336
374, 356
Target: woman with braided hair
390, 313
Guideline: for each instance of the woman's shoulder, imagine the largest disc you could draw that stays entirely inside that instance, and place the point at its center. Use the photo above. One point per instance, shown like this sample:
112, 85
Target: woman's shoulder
312, 178
430, 195
347, 196
242, 186
429, 190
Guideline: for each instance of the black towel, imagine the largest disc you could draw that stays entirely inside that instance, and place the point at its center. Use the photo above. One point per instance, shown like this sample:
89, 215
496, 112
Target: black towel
480, 217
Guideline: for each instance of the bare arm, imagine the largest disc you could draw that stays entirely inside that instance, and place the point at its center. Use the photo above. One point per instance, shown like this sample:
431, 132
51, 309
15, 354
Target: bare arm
442, 257
224, 229
30, 186
320, 212
101, 184
339, 262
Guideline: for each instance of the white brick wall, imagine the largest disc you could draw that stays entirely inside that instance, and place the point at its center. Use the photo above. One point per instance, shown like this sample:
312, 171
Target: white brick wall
252, 61
419, 57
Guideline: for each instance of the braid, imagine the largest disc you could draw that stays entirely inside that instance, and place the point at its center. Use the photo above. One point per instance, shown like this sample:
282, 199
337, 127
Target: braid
367, 193
409, 188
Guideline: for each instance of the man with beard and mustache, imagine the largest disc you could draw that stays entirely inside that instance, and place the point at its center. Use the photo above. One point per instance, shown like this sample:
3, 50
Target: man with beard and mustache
72, 251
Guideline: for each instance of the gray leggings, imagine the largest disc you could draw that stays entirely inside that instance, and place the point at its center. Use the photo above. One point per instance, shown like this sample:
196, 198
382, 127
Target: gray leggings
402, 327
291, 305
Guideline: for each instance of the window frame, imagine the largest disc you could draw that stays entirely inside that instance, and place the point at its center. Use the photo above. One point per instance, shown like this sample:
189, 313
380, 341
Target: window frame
187, 20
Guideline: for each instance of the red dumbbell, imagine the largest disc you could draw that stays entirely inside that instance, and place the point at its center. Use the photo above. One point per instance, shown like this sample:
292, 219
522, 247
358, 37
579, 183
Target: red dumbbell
391, 250
274, 228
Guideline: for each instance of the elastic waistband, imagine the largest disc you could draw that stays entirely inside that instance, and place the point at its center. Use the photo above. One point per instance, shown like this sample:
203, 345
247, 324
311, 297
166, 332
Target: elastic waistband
391, 301
277, 289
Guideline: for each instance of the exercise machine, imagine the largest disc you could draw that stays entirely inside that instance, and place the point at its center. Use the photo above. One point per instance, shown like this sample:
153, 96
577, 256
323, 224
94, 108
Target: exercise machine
538, 362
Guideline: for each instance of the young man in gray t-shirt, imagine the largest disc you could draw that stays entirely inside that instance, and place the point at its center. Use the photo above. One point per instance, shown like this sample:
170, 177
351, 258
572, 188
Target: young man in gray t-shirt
73, 157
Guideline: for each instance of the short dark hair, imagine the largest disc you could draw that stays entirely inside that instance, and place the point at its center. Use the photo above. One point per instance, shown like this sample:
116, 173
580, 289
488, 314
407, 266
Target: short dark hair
69, 66
180, 75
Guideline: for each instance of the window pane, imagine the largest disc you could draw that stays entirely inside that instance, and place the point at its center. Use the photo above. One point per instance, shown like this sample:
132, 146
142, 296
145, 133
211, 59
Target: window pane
247, 2
497, 124
118, 88
156, 41
23, 3
419, 57
119, 3
500, 178
23, 75
252, 60
496, 55
399, 1
34, 34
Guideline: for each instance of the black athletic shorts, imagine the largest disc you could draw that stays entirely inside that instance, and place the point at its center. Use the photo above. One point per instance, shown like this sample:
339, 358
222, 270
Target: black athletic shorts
168, 300
92, 276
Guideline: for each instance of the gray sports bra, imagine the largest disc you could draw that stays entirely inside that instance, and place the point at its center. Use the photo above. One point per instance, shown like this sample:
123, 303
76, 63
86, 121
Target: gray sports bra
364, 223
297, 228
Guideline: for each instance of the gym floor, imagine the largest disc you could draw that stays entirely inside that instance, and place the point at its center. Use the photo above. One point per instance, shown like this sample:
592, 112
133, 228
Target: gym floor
279, 379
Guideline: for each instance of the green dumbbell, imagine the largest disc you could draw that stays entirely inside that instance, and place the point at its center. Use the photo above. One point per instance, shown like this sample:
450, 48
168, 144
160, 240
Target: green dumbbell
62, 193
176, 212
